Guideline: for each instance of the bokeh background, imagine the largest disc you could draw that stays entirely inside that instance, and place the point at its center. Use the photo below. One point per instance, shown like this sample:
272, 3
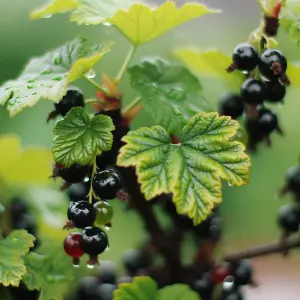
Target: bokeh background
250, 211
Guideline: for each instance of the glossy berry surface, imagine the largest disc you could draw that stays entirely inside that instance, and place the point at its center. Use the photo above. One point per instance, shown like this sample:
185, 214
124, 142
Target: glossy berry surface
72, 246
104, 213
267, 120
134, 260
73, 98
275, 91
242, 272
292, 178
231, 105
106, 184
245, 57
269, 60
203, 286
93, 241
81, 213
253, 91
289, 218
74, 174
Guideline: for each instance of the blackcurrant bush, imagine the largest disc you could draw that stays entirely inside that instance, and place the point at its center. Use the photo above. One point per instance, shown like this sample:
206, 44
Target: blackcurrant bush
79, 191
72, 246
245, 57
272, 64
289, 218
81, 213
108, 272
94, 241
106, 184
231, 105
242, 272
104, 213
203, 286
253, 91
74, 174
292, 178
275, 91
134, 260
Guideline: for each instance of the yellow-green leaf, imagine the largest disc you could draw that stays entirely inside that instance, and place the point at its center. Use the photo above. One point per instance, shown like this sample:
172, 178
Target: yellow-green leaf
12, 250
141, 23
212, 64
54, 7
31, 165
293, 72
192, 170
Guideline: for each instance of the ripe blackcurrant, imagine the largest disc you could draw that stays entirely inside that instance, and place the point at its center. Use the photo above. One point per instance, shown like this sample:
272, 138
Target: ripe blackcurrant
124, 279
73, 98
231, 105
242, 272
17, 208
289, 218
26, 222
292, 178
203, 286
105, 291
108, 272
79, 191
86, 287
272, 64
267, 120
106, 184
104, 213
93, 241
253, 91
72, 246
82, 214
275, 91
244, 57
74, 174
134, 260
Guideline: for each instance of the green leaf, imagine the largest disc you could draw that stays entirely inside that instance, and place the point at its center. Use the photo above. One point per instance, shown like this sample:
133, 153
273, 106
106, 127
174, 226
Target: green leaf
141, 23
192, 170
168, 92
145, 288
54, 7
50, 272
211, 64
28, 166
79, 137
293, 73
48, 76
12, 250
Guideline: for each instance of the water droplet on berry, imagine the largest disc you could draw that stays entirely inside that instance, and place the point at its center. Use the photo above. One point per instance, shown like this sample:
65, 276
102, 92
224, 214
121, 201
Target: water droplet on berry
91, 74
57, 78
57, 60
107, 249
76, 266
90, 266
228, 283
107, 228
47, 16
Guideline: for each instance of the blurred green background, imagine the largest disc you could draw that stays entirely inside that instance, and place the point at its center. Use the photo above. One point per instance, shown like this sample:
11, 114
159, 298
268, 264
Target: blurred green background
250, 211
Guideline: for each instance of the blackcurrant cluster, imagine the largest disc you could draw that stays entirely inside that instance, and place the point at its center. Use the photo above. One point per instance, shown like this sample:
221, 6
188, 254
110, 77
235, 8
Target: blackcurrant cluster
73, 98
289, 214
265, 82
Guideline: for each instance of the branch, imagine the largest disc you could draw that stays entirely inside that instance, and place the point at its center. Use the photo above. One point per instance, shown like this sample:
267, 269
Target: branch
275, 247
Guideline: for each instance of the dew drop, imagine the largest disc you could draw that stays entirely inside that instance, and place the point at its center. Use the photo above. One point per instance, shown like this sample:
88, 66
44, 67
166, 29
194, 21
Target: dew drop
107, 249
91, 74
107, 228
57, 60
47, 16
57, 78
229, 184
76, 266
228, 283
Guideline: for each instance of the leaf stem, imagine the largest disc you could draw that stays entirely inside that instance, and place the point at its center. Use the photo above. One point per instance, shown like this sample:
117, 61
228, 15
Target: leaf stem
132, 105
262, 7
95, 85
126, 62
94, 170
94, 101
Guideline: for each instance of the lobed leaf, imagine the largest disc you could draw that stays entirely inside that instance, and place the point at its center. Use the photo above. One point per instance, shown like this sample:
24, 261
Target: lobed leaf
48, 76
192, 170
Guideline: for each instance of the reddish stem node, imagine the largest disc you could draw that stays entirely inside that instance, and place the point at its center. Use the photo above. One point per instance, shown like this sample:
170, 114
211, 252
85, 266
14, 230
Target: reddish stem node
69, 225
231, 68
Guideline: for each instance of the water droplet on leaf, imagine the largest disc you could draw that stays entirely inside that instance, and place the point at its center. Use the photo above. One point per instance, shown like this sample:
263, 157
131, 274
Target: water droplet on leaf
91, 74
106, 24
229, 184
47, 16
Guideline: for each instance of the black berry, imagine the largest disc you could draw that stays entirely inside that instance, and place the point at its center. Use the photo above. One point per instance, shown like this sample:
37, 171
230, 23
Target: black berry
93, 241
26, 222
73, 174
267, 120
231, 105
106, 184
79, 191
135, 260
108, 272
253, 91
233, 295
82, 214
289, 218
292, 178
203, 286
87, 286
242, 272
275, 91
245, 57
272, 64
105, 291
17, 208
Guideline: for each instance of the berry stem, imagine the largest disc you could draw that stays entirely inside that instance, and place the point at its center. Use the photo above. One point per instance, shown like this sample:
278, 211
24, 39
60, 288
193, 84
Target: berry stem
94, 170
131, 105
94, 101
126, 63
95, 85
275, 247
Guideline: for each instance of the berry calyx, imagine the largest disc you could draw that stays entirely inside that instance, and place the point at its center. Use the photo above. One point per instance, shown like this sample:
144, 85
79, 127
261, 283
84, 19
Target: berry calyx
244, 57
104, 213
106, 184
289, 218
94, 241
73, 98
72, 247
272, 64
81, 214
242, 272
231, 105
74, 174
253, 92
275, 91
